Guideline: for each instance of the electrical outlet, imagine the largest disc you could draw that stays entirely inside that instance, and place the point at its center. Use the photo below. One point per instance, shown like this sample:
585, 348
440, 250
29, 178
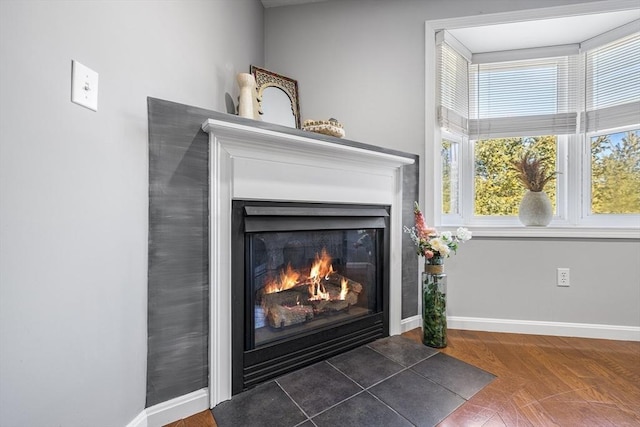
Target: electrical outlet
563, 278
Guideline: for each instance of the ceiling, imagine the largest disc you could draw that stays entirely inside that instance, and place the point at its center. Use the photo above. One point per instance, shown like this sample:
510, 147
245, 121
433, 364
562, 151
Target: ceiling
540, 33
277, 3
525, 34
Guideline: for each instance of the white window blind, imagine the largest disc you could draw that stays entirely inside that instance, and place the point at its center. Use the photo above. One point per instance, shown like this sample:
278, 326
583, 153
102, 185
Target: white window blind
613, 85
453, 94
522, 98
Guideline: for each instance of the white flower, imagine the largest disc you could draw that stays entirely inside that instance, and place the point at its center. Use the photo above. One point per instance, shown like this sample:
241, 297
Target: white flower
440, 246
463, 234
446, 236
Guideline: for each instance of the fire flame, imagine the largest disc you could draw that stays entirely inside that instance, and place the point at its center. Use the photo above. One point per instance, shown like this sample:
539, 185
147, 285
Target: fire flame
288, 279
343, 289
320, 270
321, 267
318, 293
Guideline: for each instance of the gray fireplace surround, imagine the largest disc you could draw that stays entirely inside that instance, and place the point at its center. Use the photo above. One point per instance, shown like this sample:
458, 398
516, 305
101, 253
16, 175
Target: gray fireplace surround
178, 270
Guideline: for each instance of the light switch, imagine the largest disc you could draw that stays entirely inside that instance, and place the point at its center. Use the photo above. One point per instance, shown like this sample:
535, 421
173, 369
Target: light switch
84, 86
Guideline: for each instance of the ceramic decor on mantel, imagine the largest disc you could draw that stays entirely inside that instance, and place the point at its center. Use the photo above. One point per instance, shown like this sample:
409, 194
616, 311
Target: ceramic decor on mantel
248, 99
331, 127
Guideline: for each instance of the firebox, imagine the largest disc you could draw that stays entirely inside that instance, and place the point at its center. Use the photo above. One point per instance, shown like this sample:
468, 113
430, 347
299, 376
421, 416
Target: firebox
309, 281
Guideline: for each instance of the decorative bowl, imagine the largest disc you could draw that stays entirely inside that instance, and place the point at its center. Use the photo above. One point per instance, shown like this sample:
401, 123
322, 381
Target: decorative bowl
329, 127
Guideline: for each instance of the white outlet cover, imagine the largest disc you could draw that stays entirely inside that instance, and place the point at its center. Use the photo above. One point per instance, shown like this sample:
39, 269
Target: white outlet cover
84, 86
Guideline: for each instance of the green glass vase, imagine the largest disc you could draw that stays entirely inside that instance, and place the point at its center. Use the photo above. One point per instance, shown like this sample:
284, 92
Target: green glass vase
434, 303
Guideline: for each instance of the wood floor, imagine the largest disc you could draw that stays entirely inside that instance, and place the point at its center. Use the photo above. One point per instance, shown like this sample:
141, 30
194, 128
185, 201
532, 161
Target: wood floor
548, 381
542, 381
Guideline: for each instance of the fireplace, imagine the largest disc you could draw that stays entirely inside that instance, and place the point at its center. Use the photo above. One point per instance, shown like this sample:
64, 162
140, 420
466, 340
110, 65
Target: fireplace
255, 161
309, 281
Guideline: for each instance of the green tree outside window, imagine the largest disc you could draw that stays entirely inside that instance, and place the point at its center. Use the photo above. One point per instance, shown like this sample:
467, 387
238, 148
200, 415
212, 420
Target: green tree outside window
497, 189
615, 173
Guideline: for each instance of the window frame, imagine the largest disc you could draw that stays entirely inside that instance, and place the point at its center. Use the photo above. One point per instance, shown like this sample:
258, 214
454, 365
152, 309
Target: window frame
467, 198
460, 141
586, 216
570, 220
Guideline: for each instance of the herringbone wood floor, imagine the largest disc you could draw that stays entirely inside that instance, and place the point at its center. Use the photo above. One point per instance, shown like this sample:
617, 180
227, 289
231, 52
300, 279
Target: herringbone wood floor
548, 381
541, 381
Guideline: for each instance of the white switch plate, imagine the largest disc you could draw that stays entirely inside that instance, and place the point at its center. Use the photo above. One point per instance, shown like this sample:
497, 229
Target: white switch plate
84, 86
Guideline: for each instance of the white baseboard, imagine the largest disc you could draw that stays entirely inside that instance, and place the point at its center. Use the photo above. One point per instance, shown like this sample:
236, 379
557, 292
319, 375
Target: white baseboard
536, 327
533, 327
411, 323
172, 410
139, 421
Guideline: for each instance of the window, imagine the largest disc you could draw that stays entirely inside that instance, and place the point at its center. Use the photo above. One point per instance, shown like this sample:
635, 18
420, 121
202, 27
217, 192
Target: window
612, 92
497, 192
615, 173
580, 111
450, 176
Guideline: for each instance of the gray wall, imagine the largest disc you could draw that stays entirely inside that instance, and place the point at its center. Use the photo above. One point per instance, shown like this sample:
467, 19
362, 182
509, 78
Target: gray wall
516, 279
362, 62
74, 189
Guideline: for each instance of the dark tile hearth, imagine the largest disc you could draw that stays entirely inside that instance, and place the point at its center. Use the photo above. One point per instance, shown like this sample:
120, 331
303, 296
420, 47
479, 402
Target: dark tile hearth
363, 409
461, 378
420, 400
390, 382
264, 405
365, 366
318, 387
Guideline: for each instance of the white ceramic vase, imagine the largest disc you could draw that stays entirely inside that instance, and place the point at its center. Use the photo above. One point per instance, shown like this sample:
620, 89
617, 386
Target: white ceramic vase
247, 84
535, 209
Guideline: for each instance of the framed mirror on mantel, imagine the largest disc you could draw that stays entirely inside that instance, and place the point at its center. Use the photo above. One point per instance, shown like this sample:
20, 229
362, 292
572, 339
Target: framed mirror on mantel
277, 97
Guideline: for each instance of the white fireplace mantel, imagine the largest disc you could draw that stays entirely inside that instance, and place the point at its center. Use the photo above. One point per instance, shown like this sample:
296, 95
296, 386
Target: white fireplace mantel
268, 162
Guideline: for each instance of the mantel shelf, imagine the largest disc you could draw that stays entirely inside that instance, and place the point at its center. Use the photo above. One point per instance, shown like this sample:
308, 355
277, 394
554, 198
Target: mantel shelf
274, 136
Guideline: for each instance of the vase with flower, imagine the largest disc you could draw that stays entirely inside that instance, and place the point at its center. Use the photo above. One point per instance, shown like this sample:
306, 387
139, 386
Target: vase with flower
531, 170
435, 247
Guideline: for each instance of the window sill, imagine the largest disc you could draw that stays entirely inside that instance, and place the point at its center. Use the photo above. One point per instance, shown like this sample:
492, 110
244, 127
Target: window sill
626, 233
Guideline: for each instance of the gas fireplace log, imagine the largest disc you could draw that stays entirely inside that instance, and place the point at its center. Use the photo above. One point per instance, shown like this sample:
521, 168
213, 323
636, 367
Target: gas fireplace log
285, 308
324, 306
300, 292
351, 298
290, 297
296, 305
336, 279
280, 316
355, 286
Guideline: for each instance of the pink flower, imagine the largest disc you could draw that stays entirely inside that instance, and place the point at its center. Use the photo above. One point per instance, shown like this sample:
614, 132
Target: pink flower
429, 242
421, 226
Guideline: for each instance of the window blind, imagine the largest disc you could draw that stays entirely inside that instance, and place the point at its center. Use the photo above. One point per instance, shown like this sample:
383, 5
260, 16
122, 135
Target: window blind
453, 93
612, 92
522, 98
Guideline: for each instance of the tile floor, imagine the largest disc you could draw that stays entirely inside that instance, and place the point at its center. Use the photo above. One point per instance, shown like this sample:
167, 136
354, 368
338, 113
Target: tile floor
393, 381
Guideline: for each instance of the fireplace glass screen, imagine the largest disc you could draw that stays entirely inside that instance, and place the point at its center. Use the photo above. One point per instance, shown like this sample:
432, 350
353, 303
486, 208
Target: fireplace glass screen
305, 280
309, 281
